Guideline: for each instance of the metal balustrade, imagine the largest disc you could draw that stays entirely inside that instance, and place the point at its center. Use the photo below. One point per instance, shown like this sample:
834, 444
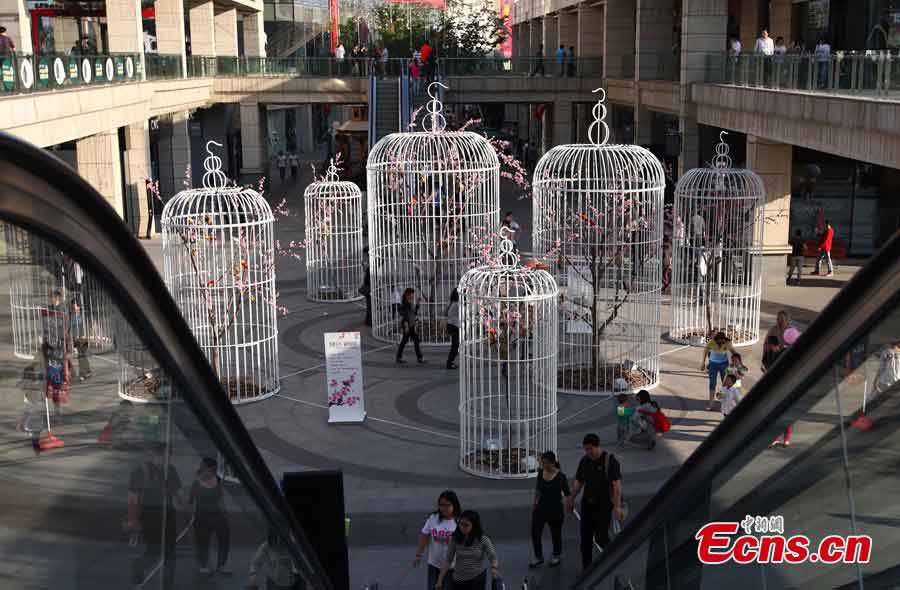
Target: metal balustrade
842, 72
24, 73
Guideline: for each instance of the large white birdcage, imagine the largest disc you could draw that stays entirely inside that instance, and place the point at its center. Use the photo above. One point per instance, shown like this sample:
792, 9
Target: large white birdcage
35, 271
717, 242
598, 225
434, 201
219, 256
507, 386
333, 223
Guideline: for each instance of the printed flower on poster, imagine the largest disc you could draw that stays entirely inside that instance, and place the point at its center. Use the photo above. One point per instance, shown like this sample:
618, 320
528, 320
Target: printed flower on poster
339, 392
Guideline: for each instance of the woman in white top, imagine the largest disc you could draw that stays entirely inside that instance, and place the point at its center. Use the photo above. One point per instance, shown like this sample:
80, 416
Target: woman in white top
823, 58
453, 328
435, 537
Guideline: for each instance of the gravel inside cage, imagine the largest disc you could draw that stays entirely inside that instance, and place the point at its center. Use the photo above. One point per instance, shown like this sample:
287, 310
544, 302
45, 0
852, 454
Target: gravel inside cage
145, 387
512, 461
243, 387
602, 378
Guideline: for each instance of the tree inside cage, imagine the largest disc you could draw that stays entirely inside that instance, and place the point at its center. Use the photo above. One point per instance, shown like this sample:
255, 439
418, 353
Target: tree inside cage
333, 222
219, 253
598, 225
717, 253
434, 197
508, 347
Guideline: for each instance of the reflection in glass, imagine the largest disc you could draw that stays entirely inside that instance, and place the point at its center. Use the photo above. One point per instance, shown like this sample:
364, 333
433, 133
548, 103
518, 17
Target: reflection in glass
108, 478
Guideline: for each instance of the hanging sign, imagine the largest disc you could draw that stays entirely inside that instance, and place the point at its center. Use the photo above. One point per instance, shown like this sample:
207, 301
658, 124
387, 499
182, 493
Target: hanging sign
343, 377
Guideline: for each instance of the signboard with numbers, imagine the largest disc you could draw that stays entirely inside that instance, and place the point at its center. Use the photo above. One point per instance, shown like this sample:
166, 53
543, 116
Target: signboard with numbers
343, 377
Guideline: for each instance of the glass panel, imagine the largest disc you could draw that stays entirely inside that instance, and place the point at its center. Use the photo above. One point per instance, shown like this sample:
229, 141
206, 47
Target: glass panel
109, 480
868, 393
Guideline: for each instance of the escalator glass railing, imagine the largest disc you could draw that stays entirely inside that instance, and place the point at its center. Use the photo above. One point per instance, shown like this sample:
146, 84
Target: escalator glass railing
120, 467
834, 398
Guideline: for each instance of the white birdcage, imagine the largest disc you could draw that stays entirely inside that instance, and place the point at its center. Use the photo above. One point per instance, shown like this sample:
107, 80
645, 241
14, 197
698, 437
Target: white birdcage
598, 225
333, 223
36, 276
219, 255
141, 380
434, 200
717, 242
507, 386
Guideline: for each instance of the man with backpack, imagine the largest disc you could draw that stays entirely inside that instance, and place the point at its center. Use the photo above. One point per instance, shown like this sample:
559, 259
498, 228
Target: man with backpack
153, 491
599, 477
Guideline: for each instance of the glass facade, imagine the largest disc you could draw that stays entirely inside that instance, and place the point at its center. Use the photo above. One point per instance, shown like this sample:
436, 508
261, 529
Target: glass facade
109, 478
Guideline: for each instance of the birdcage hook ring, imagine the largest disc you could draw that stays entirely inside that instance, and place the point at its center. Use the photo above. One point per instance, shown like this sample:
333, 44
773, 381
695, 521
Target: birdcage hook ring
213, 177
599, 113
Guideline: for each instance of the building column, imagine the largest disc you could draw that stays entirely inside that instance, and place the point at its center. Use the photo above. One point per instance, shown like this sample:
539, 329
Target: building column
774, 163
203, 29
137, 170
690, 144
561, 123
643, 125
100, 164
619, 31
15, 17
550, 38
524, 120
704, 28
780, 20
536, 35
590, 35
65, 33
254, 35
748, 19
653, 40
303, 125
170, 32
175, 155
567, 29
226, 32
254, 153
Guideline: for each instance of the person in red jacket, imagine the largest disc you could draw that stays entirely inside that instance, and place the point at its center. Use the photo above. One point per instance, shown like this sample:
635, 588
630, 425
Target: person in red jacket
825, 249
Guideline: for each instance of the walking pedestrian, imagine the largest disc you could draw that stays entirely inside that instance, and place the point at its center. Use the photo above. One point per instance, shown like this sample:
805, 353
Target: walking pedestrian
210, 517
435, 537
415, 74
599, 477
717, 353
7, 46
281, 162
823, 60
453, 328
426, 53
561, 61
730, 395
511, 230
295, 165
782, 323
154, 491
468, 550
409, 314
551, 490
772, 350
797, 246
737, 369
624, 412
824, 247
539, 61
79, 340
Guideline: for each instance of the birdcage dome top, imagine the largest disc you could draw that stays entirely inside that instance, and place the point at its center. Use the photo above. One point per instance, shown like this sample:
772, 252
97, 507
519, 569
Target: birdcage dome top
216, 202
441, 151
629, 164
331, 188
719, 181
507, 280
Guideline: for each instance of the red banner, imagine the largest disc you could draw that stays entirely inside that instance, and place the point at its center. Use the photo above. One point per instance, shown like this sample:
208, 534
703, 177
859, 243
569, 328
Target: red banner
506, 46
335, 25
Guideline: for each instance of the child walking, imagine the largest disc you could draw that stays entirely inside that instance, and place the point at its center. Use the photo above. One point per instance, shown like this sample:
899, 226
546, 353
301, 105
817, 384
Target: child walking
624, 412
730, 394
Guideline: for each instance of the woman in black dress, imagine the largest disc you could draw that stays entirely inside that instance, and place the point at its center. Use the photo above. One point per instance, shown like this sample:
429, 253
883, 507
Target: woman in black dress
210, 517
552, 486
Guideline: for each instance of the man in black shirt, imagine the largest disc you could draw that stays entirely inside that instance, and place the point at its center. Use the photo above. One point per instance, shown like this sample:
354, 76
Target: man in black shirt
153, 491
797, 247
600, 477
